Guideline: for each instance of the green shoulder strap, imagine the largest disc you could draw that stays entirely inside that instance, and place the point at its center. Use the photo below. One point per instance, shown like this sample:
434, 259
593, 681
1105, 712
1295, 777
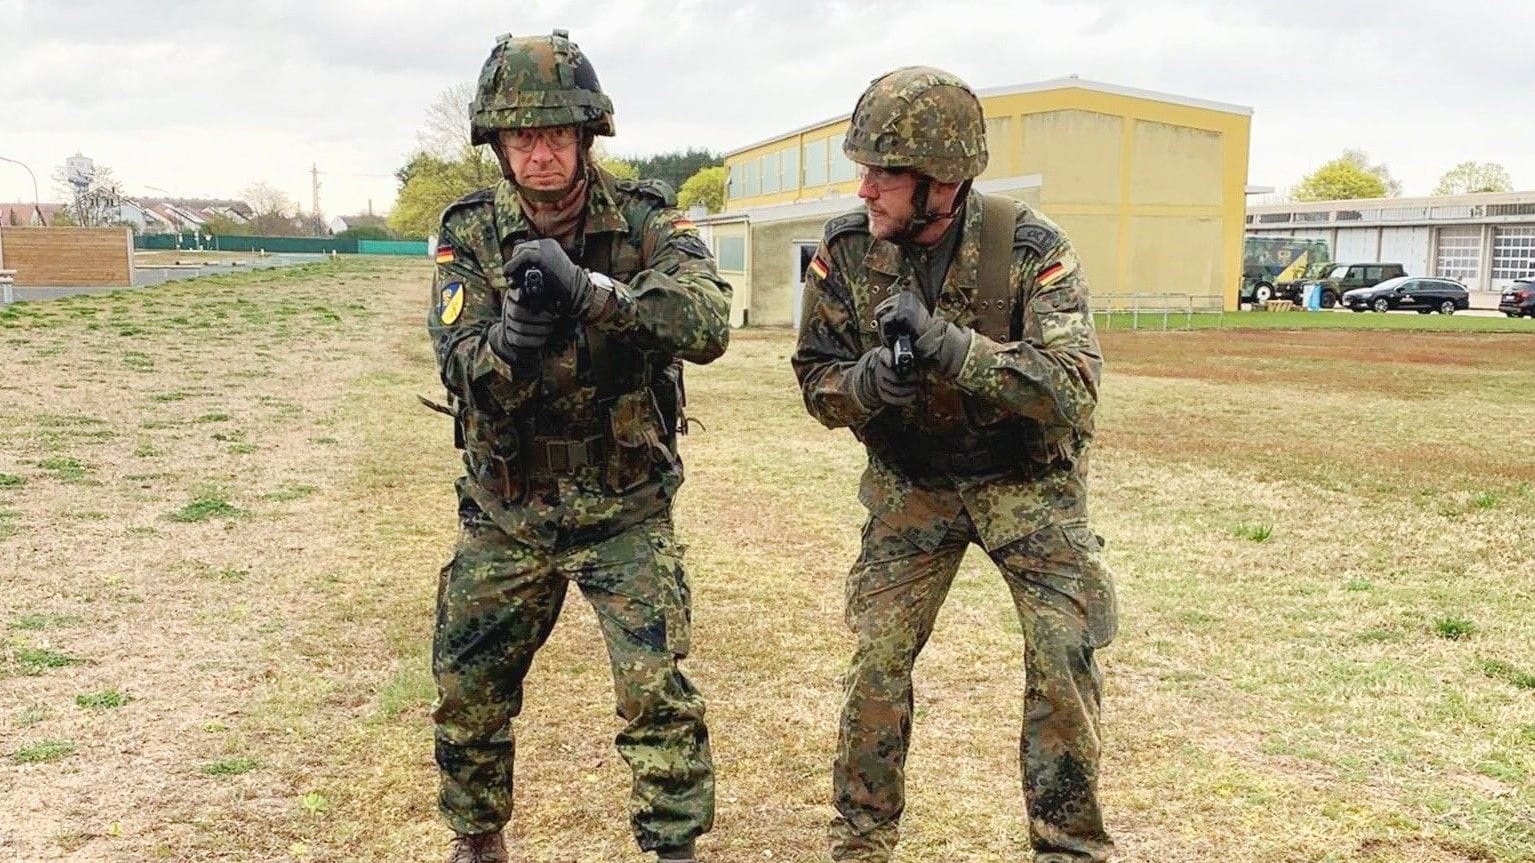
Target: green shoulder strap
994, 295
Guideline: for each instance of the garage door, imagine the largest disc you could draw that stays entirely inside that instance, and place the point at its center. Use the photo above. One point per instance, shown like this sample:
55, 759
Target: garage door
1406, 246
1513, 255
1355, 245
1460, 255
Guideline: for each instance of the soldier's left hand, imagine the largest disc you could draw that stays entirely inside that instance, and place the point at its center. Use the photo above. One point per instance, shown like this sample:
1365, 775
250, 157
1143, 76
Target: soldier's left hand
569, 286
937, 341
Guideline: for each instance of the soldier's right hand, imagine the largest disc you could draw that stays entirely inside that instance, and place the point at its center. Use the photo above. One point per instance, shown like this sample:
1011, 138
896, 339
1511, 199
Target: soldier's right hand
520, 328
875, 381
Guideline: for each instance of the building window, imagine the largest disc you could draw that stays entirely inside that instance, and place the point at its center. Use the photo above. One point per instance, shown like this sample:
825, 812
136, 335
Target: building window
1513, 253
751, 179
841, 166
734, 184
815, 163
770, 182
788, 158
730, 253
1460, 254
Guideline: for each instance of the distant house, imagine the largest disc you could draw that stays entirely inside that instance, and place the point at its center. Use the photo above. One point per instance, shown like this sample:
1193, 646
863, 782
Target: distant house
348, 223
24, 214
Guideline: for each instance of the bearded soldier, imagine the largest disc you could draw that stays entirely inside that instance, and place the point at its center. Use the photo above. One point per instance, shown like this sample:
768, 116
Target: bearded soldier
983, 440
563, 304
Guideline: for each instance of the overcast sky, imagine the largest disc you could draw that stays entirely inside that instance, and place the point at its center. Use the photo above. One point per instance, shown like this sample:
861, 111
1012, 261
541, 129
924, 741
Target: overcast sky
206, 98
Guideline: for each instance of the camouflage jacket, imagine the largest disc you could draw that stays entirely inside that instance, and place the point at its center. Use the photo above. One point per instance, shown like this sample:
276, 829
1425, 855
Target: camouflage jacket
1031, 400
609, 381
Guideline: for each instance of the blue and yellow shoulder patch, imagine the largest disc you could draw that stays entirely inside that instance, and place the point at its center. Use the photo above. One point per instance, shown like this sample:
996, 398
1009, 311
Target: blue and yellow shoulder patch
450, 302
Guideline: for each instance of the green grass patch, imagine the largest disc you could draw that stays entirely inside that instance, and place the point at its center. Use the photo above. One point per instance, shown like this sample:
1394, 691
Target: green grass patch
64, 469
1253, 532
1358, 585
36, 622
106, 699
171, 396
207, 505
1454, 628
1484, 500
36, 660
242, 448
215, 417
10, 480
1499, 670
230, 766
43, 752
31, 715
291, 492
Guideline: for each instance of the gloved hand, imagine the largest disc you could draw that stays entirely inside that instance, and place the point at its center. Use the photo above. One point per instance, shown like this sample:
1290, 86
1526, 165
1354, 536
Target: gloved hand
521, 328
937, 341
569, 288
874, 381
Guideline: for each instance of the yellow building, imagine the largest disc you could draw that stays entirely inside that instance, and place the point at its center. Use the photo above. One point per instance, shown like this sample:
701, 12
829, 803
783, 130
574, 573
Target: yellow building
1150, 187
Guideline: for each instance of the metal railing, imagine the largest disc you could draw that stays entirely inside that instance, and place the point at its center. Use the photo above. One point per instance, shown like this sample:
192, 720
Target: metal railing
1146, 310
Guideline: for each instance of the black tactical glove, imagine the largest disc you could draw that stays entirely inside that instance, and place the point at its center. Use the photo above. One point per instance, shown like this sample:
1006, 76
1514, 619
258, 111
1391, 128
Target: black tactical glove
521, 328
875, 382
569, 288
936, 340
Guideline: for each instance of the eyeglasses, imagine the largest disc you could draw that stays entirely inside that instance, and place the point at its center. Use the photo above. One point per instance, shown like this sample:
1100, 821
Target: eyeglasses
556, 137
883, 179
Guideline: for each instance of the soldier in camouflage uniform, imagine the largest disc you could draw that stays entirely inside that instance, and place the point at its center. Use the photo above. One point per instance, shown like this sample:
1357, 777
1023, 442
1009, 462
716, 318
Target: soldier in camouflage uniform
984, 441
566, 399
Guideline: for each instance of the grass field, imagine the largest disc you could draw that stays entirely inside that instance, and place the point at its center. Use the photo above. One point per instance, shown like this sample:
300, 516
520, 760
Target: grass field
222, 513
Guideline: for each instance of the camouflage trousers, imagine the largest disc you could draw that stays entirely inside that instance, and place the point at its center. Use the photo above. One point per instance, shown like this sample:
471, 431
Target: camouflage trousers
497, 602
1064, 597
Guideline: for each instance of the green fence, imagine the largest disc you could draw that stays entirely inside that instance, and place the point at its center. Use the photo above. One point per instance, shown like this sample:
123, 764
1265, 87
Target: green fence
235, 243
392, 247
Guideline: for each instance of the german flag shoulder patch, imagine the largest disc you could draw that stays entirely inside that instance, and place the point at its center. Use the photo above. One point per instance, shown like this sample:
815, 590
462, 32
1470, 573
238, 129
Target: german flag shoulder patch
445, 254
818, 267
1055, 272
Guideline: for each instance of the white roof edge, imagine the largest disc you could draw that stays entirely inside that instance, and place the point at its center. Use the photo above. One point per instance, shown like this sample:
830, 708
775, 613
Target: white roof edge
1117, 90
843, 203
1036, 87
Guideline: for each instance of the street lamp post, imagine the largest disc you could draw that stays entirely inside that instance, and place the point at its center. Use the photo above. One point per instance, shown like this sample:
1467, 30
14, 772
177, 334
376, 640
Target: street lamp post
36, 205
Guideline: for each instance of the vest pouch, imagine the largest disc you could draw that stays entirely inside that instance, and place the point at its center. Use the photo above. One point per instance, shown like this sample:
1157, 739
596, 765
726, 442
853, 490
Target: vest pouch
491, 453
635, 434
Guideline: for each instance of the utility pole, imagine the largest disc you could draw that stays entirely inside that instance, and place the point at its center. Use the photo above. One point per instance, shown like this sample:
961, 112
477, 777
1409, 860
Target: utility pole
314, 177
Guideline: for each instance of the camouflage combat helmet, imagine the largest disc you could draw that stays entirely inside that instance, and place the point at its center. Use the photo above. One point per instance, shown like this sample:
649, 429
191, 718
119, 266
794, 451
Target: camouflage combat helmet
538, 81
921, 118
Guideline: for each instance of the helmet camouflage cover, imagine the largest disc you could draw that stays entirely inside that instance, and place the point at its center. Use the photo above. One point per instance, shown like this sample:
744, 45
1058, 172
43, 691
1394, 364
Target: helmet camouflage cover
921, 118
533, 81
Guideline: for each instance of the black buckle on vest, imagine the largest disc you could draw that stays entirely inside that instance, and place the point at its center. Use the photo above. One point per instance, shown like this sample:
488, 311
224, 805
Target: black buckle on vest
565, 456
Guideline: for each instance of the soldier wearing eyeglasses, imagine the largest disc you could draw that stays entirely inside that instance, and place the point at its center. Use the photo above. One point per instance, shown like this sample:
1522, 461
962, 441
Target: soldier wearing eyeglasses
563, 306
984, 440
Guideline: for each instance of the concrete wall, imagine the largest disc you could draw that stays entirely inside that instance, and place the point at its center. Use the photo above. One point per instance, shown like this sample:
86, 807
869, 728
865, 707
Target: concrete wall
85, 257
774, 267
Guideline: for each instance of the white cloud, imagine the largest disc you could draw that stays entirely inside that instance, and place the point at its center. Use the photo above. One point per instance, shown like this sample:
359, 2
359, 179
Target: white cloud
208, 97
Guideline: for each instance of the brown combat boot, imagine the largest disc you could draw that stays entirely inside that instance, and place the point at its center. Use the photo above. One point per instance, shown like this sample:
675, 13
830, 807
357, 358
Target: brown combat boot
478, 848
676, 853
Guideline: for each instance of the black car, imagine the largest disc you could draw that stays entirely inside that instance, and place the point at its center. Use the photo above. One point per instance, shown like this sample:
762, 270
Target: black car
1518, 299
1422, 295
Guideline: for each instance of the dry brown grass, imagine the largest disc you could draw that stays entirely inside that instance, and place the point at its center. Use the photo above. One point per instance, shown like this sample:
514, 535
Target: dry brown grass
1291, 699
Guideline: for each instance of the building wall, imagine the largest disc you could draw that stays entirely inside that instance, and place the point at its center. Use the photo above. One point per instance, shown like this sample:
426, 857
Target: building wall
1151, 192
84, 257
1484, 240
731, 244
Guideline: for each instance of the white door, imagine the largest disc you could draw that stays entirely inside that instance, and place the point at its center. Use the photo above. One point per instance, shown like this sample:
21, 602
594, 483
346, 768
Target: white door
1355, 246
1513, 256
1406, 246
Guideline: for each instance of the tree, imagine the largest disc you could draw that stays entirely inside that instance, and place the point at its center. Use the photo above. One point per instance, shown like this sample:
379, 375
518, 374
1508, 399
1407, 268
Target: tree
675, 167
223, 226
1349, 176
366, 232
446, 133
707, 187
96, 199
1473, 177
275, 212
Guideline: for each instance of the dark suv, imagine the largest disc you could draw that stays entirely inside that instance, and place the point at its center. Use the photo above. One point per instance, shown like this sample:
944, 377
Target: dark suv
1518, 299
1341, 278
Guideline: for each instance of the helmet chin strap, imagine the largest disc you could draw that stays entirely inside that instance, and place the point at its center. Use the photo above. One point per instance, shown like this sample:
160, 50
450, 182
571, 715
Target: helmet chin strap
922, 217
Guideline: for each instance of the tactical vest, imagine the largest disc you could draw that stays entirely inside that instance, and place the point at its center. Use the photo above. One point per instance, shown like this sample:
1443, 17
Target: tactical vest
977, 438
601, 403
